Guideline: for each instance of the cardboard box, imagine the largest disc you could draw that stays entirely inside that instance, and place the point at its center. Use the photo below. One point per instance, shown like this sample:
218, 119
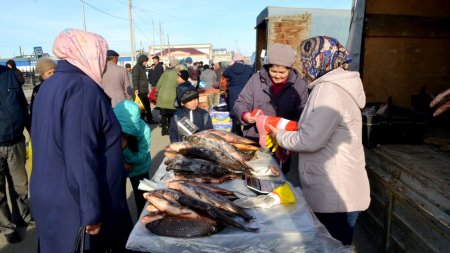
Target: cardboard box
223, 126
220, 117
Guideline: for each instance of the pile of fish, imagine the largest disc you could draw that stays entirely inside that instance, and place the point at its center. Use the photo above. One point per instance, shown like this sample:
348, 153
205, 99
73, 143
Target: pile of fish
211, 153
191, 209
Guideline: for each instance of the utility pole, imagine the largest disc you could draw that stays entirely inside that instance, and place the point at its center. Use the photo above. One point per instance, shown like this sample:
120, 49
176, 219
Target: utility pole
168, 45
133, 52
82, 13
160, 41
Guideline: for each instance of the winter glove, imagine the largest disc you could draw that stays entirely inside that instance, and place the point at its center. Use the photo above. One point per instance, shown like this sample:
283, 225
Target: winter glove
271, 143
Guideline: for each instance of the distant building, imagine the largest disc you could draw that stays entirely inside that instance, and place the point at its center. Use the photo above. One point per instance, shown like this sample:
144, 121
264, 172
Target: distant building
198, 52
221, 55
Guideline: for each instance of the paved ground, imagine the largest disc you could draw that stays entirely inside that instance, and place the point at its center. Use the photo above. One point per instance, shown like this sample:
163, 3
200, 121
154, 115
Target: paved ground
29, 244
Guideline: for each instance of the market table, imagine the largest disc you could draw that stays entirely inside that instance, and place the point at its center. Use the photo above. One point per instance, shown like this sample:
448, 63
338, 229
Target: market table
282, 228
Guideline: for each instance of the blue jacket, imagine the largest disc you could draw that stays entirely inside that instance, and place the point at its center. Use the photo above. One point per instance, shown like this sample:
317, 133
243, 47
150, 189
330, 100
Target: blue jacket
238, 75
129, 116
13, 108
77, 163
200, 117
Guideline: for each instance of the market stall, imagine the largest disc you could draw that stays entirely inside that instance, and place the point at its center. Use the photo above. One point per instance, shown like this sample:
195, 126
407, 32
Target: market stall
282, 228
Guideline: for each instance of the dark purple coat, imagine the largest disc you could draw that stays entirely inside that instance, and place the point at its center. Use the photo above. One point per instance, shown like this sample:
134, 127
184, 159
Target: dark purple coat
77, 163
238, 75
257, 94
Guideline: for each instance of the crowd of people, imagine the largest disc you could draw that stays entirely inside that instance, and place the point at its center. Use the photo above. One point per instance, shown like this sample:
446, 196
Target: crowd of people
88, 136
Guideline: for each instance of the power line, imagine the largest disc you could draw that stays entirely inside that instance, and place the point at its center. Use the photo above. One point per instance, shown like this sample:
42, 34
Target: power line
102, 11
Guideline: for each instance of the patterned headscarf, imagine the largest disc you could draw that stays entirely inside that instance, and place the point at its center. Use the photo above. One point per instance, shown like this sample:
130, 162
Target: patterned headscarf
321, 55
85, 50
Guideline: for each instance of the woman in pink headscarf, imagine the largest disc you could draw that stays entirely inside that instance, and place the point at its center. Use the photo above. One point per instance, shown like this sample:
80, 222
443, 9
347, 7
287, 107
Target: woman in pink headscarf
77, 156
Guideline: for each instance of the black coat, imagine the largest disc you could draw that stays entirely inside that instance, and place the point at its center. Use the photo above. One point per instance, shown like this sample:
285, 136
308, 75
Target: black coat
13, 108
201, 119
140, 80
155, 74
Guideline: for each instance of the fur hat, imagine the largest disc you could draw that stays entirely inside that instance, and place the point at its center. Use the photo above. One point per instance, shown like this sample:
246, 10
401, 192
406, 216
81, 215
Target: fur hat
184, 74
44, 64
281, 54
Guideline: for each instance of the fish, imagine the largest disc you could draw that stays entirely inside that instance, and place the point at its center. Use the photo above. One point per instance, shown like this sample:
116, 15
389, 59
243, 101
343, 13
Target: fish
215, 189
182, 227
215, 142
205, 179
230, 137
244, 147
210, 197
152, 217
170, 207
216, 156
176, 146
196, 166
212, 212
171, 154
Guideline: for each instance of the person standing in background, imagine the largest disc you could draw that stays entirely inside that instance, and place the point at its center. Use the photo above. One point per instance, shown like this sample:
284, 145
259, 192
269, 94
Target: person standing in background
140, 83
329, 138
208, 76
130, 74
157, 71
17, 73
15, 117
238, 75
166, 90
45, 67
77, 157
115, 81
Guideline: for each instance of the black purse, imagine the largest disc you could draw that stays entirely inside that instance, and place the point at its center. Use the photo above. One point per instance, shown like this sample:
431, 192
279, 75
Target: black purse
78, 246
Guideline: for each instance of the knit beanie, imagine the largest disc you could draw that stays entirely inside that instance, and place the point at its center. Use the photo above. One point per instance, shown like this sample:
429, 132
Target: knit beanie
281, 54
188, 60
44, 64
129, 116
238, 57
174, 62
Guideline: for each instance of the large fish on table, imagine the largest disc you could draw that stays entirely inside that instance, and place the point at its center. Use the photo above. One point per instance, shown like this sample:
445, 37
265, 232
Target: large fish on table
214, 155
215, 142
210, 197
172, 226
170, 207
195, 166
230, 137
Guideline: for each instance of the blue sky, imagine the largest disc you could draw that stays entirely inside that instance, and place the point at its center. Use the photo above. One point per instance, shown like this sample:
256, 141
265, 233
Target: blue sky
226, 24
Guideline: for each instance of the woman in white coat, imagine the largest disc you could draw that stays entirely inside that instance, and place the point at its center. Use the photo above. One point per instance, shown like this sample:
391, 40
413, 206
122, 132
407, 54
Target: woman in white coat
329, 140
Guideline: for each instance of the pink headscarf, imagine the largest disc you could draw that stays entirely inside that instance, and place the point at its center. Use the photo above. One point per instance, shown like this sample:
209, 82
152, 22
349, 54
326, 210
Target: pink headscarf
85, 50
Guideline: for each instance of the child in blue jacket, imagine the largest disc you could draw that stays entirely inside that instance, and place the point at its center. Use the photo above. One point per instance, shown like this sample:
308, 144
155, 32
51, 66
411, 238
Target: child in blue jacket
136, 140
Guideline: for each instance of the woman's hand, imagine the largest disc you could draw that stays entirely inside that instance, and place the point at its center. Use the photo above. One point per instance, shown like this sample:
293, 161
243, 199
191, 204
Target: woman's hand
443, 101
93, 229
273, 131
249, 119
127, 167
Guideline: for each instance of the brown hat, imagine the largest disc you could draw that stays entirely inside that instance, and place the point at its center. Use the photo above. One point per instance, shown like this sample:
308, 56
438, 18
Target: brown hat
44, 64
281, 54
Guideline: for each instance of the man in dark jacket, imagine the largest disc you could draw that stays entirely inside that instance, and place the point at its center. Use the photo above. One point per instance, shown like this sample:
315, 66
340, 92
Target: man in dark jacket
140, 85
238, 75
19, 75
156, 71
15, 117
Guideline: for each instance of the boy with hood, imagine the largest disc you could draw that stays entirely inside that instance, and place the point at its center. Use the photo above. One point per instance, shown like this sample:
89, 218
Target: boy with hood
187, 98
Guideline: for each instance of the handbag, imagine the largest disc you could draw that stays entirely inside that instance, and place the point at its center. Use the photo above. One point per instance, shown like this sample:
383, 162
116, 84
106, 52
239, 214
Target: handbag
138, 101
152, 96
78, 246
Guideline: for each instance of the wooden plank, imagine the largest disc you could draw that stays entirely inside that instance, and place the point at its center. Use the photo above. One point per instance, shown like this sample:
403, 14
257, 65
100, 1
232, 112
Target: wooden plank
429, 8
399, 67
290, 30
382, 25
